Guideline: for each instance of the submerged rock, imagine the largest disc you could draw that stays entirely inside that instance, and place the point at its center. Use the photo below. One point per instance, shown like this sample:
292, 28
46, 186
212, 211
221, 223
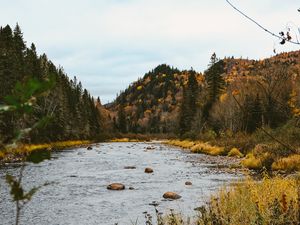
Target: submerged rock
116, 186
129, 167
131, 188
171, 195
154, 203
148, 170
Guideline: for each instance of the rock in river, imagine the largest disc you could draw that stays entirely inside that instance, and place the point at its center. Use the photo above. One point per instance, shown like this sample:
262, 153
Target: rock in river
188, 183
116, 186
129, 167
148, 170
171, 195
89, 148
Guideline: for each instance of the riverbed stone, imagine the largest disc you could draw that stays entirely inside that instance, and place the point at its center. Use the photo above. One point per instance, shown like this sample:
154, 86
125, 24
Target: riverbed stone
116, 186
188, 183
148, 170
171, 195
89, 148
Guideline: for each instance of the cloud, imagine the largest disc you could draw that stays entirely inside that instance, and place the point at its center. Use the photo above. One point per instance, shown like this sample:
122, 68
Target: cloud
108, 44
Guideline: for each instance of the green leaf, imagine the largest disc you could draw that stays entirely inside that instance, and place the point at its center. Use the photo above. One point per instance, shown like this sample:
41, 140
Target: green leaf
16, 189
38, 156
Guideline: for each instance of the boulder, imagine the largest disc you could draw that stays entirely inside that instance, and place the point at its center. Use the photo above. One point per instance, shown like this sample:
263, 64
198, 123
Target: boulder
171, 195
89, 148
131, 188
188, 183
116, 186
148, 170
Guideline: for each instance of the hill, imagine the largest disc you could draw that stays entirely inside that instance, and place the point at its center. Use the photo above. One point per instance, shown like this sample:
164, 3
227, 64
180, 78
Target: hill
152, 103
267, 89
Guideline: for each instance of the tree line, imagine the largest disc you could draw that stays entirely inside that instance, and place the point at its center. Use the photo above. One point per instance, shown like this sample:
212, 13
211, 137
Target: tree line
70, 111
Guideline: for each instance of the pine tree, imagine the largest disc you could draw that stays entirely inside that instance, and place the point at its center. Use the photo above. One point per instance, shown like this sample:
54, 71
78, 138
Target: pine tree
122, 122
215, 83
188, 107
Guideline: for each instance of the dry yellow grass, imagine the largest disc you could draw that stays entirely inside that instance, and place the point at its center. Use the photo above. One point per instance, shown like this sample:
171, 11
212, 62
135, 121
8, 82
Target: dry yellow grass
124, 140
251, 202
197, 147
25, 149
208, 149
182, 144
290, 163
265, 202
234, 152
251, 162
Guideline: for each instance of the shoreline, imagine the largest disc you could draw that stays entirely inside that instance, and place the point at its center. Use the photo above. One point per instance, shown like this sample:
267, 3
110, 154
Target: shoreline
18, 153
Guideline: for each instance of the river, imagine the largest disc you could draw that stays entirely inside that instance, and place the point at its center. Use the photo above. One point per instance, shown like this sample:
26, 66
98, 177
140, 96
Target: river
78, 194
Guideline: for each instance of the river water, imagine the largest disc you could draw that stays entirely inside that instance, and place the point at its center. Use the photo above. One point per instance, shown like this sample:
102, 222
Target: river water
78, 194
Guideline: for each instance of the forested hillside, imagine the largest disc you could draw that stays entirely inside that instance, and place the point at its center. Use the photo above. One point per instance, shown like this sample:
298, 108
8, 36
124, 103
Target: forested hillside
232, 95
70, 110
151, 104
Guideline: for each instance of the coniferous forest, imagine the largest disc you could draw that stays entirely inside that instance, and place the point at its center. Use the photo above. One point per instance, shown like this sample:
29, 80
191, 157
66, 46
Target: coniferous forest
71, 111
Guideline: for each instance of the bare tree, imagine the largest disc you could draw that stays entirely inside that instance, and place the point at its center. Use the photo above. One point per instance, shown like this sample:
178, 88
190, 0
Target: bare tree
283, 36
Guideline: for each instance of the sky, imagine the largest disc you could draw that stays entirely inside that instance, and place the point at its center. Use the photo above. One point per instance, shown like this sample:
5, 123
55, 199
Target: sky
108, 44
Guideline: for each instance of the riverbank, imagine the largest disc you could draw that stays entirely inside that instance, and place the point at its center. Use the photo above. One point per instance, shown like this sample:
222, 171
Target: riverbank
17, 153
262, 156
269, 201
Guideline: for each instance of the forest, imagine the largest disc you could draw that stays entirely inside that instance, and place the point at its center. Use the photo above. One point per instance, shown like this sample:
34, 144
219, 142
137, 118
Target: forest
69, 111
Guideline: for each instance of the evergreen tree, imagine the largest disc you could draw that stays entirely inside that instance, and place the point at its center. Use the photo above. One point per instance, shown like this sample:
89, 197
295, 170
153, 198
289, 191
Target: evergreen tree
188, 107
71, 112
215, 83
122, 122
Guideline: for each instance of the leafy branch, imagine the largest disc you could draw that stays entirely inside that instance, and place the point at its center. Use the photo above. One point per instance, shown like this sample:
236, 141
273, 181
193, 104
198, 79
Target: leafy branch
21, 102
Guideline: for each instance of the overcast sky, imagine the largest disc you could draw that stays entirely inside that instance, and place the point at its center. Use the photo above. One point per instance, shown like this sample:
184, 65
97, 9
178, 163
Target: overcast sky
108, 44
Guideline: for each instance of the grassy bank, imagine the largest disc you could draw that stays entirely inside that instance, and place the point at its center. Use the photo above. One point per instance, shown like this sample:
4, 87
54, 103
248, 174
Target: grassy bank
15, 153
269, 201
271, 156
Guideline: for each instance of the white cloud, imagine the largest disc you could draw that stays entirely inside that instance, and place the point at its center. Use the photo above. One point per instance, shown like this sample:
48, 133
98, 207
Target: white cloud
109, 43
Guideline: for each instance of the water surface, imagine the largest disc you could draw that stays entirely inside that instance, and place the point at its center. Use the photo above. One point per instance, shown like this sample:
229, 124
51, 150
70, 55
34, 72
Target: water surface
79, 195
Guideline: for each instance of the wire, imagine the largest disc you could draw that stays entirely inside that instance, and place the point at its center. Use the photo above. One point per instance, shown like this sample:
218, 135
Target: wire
260, 26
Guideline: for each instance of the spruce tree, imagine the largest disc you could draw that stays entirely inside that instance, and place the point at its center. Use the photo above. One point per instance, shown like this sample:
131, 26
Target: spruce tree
188, 107
215, 83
